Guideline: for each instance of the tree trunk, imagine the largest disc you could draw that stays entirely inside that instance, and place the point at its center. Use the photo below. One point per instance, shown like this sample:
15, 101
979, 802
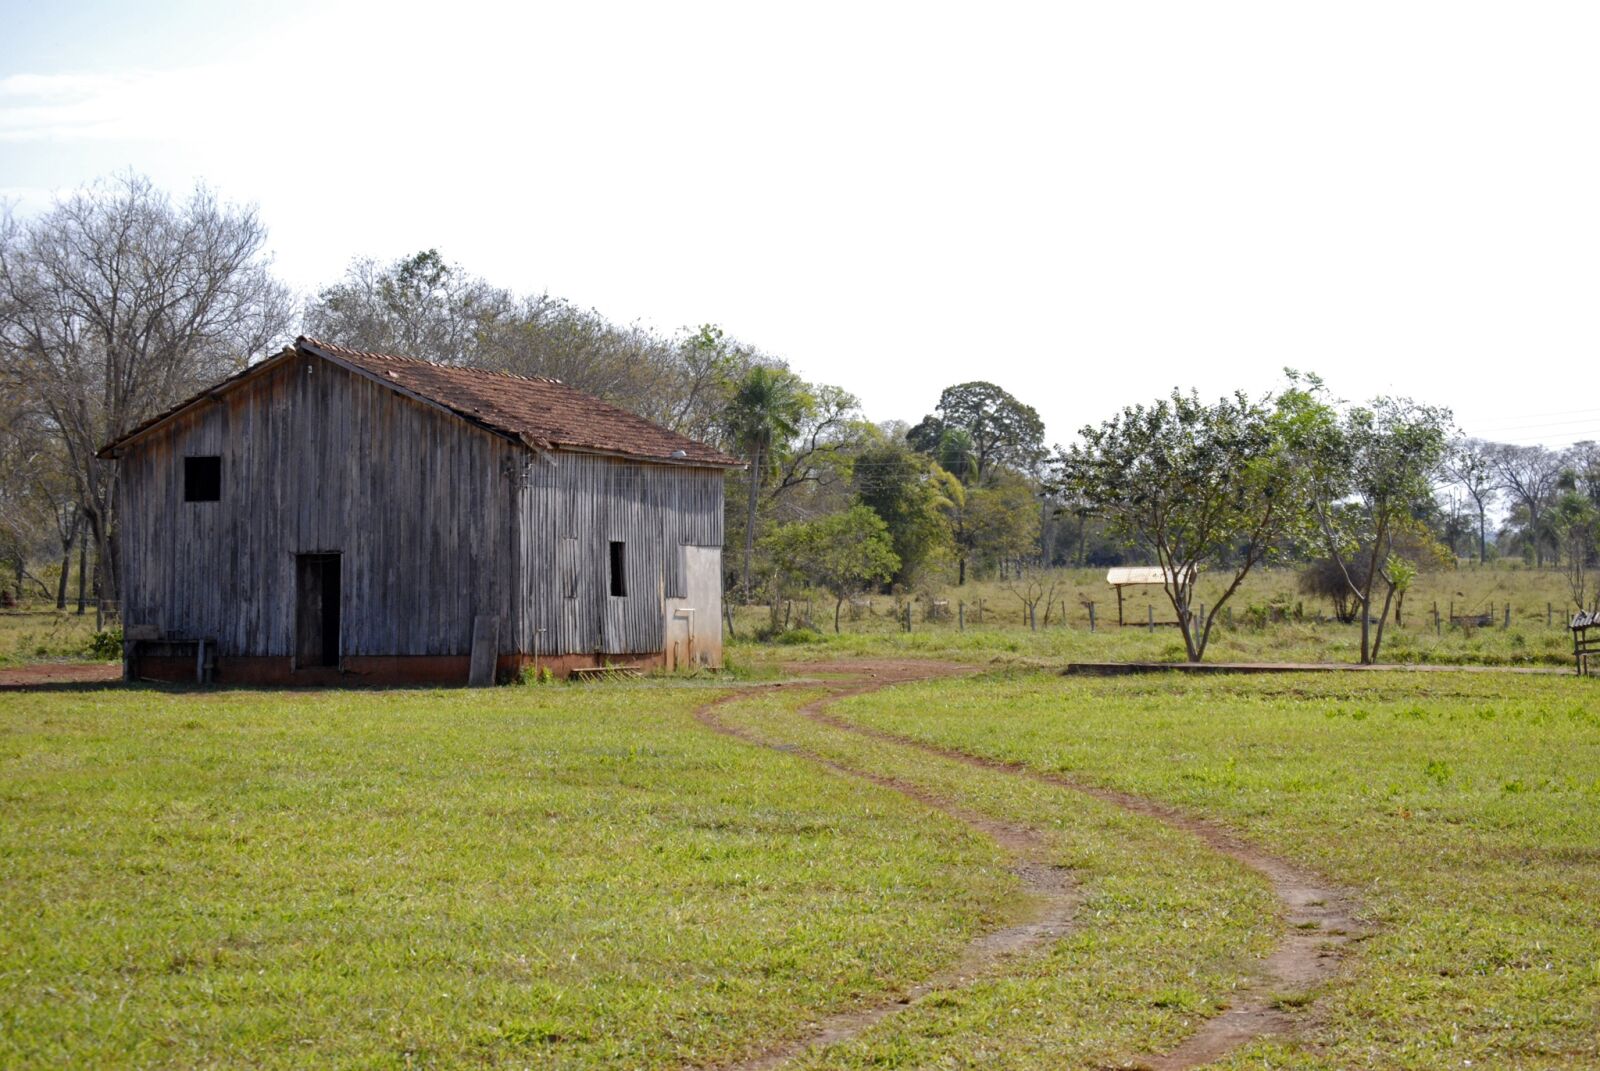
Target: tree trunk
1366, 625
61, 585
105, 556
1190, 645
1483, 553
961, 570
836, 606
83, 573
1377, 640
750, 518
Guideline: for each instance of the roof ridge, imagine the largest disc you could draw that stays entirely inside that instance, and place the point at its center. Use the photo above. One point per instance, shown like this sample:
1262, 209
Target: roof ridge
373, 355
542, 412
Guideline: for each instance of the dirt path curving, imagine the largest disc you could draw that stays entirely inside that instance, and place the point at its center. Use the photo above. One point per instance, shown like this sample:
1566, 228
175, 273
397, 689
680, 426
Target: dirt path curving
1321, 918
1053, 896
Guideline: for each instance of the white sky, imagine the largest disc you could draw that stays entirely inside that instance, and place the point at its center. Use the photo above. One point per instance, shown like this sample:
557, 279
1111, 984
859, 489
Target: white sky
1087, 203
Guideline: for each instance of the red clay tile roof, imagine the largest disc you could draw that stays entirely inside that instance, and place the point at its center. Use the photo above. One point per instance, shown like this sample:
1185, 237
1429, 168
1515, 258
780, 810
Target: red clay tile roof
543, 413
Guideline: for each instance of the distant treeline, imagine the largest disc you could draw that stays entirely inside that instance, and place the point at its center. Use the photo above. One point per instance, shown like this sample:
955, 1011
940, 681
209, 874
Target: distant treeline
121, 300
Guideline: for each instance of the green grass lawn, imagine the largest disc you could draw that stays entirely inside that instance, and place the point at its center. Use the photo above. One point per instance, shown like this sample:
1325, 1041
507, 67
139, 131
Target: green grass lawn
573, 877
1464, 810
1167, 929
578, 877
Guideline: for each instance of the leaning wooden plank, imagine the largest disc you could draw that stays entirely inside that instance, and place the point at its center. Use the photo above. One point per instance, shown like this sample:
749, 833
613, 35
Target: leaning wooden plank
485, 647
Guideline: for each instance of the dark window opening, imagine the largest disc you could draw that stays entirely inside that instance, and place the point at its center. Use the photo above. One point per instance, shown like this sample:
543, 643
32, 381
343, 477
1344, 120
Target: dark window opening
676, 582
202, 479
619, 574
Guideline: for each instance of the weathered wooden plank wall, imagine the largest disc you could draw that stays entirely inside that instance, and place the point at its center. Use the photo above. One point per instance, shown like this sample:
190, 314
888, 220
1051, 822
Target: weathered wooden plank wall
419, 504
574, 506
436, 521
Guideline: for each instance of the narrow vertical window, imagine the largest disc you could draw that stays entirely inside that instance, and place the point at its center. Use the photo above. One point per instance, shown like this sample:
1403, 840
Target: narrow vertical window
619, 569
569, 568
202, 479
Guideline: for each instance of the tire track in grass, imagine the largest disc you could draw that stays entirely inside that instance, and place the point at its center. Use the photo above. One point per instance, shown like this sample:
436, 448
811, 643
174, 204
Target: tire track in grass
1321, 917
1053, 895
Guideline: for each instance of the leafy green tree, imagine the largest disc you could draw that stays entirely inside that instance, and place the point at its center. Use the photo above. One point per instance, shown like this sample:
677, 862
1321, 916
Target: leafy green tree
843, 553
763, 416
978, 427
1576, 522
909, 493
995, 524
1371, 471
1192, 484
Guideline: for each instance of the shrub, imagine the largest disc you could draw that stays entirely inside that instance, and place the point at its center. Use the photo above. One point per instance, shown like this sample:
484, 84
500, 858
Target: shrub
541, 675
106, 645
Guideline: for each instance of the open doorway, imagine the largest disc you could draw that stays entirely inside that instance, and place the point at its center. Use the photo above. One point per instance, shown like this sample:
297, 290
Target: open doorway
316, 610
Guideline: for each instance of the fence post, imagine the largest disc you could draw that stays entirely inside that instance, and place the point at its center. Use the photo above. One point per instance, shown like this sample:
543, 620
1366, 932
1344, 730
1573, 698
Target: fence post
1091, 616
1150, 621
1549, 615
1508, 616
961, 616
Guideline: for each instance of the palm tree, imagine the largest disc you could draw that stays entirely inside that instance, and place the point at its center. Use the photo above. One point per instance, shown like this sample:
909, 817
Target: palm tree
765, 413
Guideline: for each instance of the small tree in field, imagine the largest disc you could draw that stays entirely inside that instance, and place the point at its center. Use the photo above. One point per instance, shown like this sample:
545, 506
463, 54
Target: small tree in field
1371, 471
1577, 526
1191, 483
843, 553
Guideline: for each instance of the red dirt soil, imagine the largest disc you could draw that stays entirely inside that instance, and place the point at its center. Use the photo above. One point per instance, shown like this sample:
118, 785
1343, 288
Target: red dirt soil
54, 673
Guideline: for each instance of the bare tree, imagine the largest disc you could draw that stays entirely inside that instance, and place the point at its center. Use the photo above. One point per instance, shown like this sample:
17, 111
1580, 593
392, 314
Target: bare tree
1530, 475
1029, 588
1584, 461
1470, 464
422, 306
117, 303
419, 306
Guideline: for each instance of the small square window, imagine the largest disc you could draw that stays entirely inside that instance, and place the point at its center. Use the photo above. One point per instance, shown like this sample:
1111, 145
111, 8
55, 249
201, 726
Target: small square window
202, 479
619, 570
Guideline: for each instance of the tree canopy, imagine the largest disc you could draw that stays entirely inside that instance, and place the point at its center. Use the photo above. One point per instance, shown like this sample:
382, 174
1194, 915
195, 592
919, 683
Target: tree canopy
843, 553
119, 302
1192, 483
1371, 470
977, 428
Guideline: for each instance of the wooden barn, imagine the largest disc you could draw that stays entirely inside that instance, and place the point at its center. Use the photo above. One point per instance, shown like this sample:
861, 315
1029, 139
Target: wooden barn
329, 515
